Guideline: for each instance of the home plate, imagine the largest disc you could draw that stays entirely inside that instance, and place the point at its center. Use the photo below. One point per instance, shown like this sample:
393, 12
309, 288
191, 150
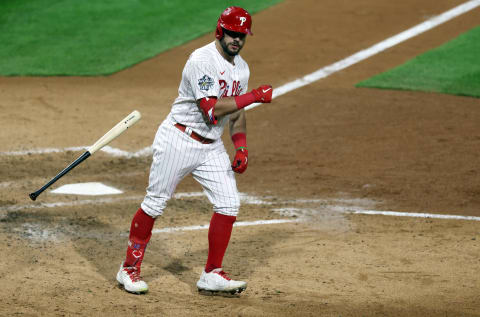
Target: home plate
93, 189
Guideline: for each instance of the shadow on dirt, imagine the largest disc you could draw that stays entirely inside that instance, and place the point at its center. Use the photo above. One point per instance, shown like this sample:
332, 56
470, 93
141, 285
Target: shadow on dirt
103, 245
242, 258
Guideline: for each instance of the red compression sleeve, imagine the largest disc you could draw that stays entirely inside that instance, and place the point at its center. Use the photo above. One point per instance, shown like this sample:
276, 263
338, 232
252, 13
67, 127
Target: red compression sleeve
244, 100
219, 234
140, 233
207, 105
239, 140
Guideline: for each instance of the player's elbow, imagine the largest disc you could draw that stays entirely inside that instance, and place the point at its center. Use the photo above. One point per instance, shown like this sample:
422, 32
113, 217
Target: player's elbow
207, 105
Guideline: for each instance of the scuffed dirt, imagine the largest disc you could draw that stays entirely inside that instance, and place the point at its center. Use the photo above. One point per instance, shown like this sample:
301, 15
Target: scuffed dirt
315, 154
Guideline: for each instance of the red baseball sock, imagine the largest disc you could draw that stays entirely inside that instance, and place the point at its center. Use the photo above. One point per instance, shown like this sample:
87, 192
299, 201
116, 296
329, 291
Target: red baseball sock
140, 233
218, 238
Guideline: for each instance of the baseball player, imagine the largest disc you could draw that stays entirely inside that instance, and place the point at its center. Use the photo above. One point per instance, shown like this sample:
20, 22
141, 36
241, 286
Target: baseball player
212, 93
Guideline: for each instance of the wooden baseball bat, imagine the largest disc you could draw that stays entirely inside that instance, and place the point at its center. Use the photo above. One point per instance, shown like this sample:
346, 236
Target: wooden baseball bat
118, 129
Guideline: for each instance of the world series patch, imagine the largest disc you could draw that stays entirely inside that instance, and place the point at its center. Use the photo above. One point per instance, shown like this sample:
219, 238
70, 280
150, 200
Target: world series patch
205, 83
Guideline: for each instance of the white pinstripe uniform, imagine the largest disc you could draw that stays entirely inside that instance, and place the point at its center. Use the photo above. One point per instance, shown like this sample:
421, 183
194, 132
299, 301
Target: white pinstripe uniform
176, 154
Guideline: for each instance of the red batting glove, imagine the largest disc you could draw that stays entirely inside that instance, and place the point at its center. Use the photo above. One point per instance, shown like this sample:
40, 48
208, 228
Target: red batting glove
240, 161
263, 94
239, 164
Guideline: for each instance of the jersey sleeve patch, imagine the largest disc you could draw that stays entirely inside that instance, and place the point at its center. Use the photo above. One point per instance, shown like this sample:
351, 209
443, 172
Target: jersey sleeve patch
205, 83
202, 78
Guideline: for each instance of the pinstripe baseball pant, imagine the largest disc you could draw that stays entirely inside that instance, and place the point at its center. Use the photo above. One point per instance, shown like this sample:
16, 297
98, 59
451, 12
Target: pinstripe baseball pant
175, 155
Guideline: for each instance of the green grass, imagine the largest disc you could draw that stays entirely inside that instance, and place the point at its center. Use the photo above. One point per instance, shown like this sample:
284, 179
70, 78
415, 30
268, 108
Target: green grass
453, 68
100, 37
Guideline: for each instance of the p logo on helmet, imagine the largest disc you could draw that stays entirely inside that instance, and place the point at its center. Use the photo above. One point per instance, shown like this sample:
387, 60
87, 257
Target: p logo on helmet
235, 19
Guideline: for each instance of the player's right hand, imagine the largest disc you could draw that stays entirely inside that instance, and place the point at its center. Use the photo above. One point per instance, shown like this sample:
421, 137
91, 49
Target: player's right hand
263, 94
240, 162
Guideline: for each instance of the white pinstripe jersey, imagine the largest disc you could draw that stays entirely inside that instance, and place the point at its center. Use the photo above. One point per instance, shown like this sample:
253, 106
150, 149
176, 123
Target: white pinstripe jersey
208, 74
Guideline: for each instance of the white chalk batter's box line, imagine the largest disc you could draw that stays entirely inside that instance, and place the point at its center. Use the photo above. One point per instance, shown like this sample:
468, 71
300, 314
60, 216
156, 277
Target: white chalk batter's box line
301, 82
307, 79
339, 206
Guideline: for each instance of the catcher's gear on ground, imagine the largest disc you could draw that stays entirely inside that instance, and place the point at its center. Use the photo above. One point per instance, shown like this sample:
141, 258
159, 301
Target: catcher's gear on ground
234, 19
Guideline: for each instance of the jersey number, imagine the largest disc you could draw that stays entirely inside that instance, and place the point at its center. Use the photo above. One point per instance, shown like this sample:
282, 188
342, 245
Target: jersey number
235, 88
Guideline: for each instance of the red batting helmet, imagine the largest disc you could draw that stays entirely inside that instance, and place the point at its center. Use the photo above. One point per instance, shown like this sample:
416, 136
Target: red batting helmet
234, 19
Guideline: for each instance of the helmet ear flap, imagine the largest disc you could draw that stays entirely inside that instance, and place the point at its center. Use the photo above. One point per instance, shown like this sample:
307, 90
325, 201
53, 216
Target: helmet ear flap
219, 32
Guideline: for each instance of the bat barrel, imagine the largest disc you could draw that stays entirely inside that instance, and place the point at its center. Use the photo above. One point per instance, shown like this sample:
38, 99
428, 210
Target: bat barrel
118, 129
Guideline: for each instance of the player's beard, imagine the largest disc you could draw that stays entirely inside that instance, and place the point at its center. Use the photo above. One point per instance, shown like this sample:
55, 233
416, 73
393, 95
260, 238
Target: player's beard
227, 50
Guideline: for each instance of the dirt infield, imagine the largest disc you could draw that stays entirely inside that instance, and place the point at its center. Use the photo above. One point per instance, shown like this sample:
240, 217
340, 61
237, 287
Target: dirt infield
316, 154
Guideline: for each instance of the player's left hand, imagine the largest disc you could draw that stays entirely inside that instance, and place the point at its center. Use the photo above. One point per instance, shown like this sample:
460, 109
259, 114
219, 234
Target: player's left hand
239, 164
263, 94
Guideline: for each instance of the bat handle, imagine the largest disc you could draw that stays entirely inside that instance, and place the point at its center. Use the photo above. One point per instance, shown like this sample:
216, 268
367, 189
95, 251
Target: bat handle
33, 196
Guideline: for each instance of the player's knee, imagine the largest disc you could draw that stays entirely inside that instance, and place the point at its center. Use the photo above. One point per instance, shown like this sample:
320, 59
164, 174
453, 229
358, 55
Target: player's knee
153, 207
228, 210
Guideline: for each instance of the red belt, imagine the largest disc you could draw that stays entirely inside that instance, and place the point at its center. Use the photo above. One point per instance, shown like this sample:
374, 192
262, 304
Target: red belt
193, 134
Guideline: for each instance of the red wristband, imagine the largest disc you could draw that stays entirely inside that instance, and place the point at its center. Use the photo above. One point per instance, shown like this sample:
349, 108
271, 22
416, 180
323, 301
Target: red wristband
239, 140
244, 100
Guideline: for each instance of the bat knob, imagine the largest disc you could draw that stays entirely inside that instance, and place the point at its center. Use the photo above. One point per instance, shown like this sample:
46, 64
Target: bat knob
33, 196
